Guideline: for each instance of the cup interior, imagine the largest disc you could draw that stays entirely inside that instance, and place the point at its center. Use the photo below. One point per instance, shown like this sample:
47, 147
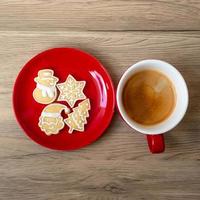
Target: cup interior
180, 88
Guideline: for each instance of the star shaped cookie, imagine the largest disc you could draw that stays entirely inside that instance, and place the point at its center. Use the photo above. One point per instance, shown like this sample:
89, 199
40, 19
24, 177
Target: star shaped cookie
71, 90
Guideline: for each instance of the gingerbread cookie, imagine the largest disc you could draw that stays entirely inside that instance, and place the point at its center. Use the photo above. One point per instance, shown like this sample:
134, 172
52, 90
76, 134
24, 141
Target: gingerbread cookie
45, 91
77, 119
71, 90
51, 121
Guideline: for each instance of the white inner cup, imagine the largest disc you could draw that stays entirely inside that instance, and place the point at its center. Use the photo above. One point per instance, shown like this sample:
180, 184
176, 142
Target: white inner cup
180, 89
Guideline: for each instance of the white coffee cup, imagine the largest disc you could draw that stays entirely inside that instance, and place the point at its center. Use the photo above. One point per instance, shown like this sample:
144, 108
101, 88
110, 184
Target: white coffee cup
155, 132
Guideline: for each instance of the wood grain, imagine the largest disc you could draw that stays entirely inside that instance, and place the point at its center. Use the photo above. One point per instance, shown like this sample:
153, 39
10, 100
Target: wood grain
118, 166
98, 180
100, 15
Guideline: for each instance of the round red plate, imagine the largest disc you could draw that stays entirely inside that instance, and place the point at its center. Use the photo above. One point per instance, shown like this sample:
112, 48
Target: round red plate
99, 89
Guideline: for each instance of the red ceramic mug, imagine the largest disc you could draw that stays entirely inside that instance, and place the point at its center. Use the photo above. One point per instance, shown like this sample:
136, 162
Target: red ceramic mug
155, 132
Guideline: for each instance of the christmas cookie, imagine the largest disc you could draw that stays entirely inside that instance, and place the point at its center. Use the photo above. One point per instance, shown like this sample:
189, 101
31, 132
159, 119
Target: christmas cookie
77, 119
71, 90
45, 91
51, 121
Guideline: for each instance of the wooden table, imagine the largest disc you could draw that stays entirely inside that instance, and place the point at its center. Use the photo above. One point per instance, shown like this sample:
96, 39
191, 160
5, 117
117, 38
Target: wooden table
118, 166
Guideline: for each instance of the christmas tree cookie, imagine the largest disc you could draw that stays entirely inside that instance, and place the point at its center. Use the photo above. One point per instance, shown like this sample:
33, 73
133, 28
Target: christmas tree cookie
45, 91
77, 119
71, 90
51, 121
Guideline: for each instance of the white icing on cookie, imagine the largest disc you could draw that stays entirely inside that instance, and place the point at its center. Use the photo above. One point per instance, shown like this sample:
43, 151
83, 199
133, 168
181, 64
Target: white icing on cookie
47, 91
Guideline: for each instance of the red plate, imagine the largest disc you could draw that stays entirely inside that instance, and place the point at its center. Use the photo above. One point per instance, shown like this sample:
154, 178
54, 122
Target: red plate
99, 89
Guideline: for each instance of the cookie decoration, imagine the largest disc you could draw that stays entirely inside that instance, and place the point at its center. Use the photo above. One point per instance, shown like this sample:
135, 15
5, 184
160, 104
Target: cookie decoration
51, 121
77, 119
45, 91
71, 90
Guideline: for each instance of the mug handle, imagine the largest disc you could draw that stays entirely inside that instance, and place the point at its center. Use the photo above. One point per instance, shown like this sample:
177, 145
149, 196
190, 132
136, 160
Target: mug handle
156, 143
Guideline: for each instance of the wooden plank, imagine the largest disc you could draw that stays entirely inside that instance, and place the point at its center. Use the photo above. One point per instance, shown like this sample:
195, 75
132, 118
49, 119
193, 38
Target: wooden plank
117, 51
100, 15
32, 178
117, 166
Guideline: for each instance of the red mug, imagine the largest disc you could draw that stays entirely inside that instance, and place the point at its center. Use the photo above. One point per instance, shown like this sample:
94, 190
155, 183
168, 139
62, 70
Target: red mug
154, 133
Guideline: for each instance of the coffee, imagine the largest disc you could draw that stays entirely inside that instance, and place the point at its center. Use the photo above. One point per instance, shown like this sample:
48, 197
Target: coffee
149, 97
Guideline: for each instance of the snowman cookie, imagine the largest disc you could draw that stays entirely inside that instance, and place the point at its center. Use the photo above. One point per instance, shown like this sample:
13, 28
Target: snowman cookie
45, 91
51, 121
